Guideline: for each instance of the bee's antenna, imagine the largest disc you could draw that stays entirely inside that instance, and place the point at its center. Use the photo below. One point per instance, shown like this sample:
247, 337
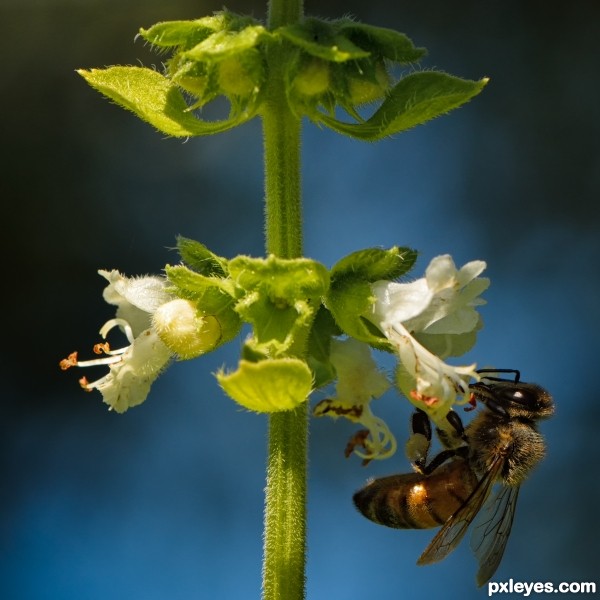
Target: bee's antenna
515, 372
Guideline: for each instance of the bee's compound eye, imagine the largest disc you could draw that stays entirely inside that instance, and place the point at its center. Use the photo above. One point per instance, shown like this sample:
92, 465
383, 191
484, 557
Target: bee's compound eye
525, 397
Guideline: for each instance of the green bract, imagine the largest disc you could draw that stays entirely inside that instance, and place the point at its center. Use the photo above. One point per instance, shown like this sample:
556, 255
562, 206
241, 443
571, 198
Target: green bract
280, 300
268, 386
322, 65
350, 294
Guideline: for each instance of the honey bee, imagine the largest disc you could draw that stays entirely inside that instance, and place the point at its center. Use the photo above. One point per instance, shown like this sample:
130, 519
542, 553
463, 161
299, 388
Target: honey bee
501, 446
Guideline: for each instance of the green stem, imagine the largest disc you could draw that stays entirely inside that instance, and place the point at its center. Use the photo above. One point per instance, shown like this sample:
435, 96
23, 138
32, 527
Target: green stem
285, 496
283, 212
284, 12
285, 507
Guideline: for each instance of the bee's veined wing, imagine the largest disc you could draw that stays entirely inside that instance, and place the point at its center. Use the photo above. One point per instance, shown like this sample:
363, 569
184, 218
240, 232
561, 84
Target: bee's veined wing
491, 531
454, 529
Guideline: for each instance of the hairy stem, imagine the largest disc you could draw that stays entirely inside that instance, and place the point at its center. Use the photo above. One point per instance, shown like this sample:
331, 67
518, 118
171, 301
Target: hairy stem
285, 497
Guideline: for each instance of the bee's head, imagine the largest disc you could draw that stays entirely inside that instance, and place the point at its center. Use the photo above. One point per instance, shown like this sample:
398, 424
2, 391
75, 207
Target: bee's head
514, 399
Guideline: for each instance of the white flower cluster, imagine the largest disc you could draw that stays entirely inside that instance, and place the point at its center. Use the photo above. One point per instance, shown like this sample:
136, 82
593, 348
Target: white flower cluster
440, 310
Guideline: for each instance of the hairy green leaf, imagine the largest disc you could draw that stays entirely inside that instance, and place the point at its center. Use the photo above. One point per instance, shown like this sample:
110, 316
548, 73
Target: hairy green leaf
199, 258
391, 44
373, 264
156, 100
184, 34
321, 39
415, 99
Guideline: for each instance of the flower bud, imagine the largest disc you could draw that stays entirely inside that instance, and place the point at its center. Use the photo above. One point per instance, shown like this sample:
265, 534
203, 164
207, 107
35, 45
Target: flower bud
190, 76
240, 76
193, 85
364, 89
312, 79
184, 330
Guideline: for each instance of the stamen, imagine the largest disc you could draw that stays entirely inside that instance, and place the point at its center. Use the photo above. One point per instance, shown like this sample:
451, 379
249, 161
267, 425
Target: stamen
378, 444
110, 356
85, 384
70, 361
118, 323
358, 439
102, 348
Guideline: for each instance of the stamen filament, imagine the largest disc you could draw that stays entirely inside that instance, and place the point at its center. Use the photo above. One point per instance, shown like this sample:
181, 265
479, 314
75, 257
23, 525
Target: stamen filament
107, 360
118, 323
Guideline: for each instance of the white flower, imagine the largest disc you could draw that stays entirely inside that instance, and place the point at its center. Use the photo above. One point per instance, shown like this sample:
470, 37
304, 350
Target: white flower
437, 310
358, 382
134, 367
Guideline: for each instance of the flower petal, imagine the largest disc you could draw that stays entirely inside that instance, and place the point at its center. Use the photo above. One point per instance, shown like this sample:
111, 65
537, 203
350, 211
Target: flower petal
399, 302
129, 380
358, 379
426, 378
136, 298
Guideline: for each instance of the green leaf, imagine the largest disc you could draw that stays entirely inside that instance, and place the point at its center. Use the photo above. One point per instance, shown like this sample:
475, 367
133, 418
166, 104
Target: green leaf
348, 300
373, 264
415, 99
390, 44
156, 100
321, 39
187, 34
323, 329
199, 258
270, 385
194, 286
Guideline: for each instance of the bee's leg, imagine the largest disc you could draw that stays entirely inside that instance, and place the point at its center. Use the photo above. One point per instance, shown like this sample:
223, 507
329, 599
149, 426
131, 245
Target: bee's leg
454, 435
454, 440
419, 441
443, 456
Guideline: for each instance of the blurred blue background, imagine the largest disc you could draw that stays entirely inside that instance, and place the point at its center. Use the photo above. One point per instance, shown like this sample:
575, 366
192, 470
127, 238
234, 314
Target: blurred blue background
166, 500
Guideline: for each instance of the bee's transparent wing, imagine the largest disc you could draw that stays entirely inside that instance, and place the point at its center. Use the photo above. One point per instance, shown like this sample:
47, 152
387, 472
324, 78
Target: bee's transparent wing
454, 529
491, 531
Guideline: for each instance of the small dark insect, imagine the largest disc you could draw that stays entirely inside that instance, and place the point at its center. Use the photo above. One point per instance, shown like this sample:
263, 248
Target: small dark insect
501, 445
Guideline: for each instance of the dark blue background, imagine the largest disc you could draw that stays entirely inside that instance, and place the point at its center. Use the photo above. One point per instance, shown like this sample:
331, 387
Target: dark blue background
165, 502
